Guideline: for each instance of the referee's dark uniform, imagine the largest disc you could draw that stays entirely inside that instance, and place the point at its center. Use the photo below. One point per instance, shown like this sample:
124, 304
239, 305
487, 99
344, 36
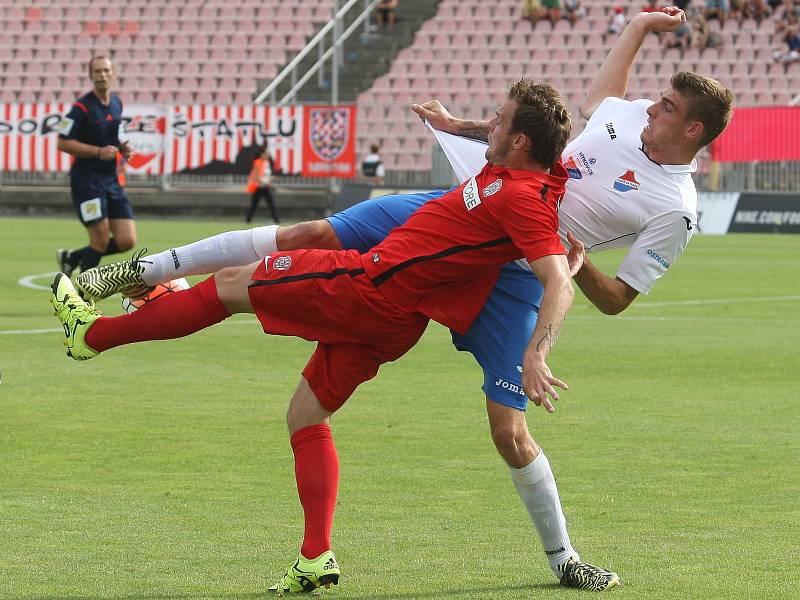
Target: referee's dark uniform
96, 192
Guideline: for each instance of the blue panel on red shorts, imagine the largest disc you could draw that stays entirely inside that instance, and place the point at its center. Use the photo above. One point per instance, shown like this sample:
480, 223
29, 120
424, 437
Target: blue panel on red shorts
500, 334
367, 223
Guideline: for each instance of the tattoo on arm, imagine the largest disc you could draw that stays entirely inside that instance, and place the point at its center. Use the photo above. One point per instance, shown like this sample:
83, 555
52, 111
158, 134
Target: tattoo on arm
475, 130
549, 338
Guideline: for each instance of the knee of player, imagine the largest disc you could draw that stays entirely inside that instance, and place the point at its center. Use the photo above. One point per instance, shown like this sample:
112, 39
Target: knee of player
125, 243
513, 441
308, 234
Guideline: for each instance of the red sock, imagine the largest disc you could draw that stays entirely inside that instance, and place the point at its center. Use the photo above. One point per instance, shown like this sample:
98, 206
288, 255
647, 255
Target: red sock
316, 468
173, 316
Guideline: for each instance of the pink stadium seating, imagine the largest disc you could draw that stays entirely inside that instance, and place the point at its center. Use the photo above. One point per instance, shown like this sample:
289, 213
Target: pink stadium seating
470, 51
152, 37
215, 50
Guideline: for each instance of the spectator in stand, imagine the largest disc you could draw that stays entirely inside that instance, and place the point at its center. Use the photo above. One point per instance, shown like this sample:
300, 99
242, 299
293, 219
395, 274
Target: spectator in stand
701, 32
791, 52
617, 22
755, 9
552, 10
717, 9
386, 12
533, 11
652, 6
789, 18
573, 11
681, 38
372, 167
259, 183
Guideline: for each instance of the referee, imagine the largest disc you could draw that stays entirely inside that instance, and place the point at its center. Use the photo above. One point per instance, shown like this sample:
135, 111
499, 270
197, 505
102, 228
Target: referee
90, 133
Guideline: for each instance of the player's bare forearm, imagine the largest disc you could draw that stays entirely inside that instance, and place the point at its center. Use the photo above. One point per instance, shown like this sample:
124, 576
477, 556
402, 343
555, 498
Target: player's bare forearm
557, 299
612, 78
439, 118
475, 130
610, 295
537, 380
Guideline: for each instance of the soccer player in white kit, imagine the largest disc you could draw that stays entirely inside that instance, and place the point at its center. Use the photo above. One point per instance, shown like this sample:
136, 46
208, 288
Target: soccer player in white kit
630, 186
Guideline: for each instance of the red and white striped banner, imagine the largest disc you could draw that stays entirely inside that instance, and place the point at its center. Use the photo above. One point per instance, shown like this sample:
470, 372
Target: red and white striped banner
28, 135
165, 139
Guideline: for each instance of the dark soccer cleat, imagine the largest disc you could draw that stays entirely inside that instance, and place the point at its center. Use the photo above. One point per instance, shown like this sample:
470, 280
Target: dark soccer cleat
64, 260
584, 576
75, 315
308, 576
121, 277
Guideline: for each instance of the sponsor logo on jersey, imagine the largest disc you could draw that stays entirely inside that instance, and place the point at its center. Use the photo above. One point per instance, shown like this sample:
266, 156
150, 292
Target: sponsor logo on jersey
626, 182
688, 223
282, 263
492, 188
611, 133
572, 169
470, 193
587, 163
376, 258
660, 260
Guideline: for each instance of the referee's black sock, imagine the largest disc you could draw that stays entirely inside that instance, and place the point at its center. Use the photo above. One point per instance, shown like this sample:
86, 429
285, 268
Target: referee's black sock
112, 247
74, 256
90, 258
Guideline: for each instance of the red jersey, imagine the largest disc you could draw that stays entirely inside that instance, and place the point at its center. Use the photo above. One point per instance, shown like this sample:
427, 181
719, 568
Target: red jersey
444, 261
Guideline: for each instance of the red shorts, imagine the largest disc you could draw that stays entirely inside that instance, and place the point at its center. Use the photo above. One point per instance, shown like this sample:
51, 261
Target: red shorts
325, 296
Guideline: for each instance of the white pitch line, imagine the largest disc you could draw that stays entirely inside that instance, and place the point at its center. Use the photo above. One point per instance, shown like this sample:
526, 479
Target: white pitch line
717, 301
27, 281
30, 331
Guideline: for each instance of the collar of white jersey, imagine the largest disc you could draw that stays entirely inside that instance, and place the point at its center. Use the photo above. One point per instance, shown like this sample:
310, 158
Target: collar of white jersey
672, 169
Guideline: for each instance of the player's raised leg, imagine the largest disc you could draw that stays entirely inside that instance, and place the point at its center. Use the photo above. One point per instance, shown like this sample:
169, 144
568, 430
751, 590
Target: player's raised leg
176, 315
133, 277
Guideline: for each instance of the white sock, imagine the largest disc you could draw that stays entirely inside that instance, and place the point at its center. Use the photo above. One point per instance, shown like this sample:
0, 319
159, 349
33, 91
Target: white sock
537, 490
229, 249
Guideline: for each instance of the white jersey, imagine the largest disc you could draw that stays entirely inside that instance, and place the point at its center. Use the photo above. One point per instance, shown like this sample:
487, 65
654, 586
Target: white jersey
616, 196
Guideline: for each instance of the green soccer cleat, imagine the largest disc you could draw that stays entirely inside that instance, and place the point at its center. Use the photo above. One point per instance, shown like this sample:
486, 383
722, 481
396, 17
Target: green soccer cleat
76, 315
120, 277
584, 576
308, 576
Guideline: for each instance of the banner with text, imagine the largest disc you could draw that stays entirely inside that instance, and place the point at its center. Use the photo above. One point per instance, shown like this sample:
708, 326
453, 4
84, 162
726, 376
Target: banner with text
315, 141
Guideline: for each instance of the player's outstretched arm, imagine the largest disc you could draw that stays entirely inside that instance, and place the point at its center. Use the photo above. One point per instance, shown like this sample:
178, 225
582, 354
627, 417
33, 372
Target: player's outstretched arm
612, 78
439, 118
610, 295
537, 380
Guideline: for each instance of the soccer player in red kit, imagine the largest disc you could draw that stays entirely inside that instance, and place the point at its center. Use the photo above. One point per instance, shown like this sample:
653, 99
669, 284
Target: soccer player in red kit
368, 309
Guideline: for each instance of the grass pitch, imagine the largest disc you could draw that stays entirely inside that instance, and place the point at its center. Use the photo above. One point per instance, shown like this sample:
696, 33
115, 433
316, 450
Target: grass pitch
163, 470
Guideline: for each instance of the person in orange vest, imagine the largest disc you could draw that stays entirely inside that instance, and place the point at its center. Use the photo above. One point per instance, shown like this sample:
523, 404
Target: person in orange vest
121, 170
259, 183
